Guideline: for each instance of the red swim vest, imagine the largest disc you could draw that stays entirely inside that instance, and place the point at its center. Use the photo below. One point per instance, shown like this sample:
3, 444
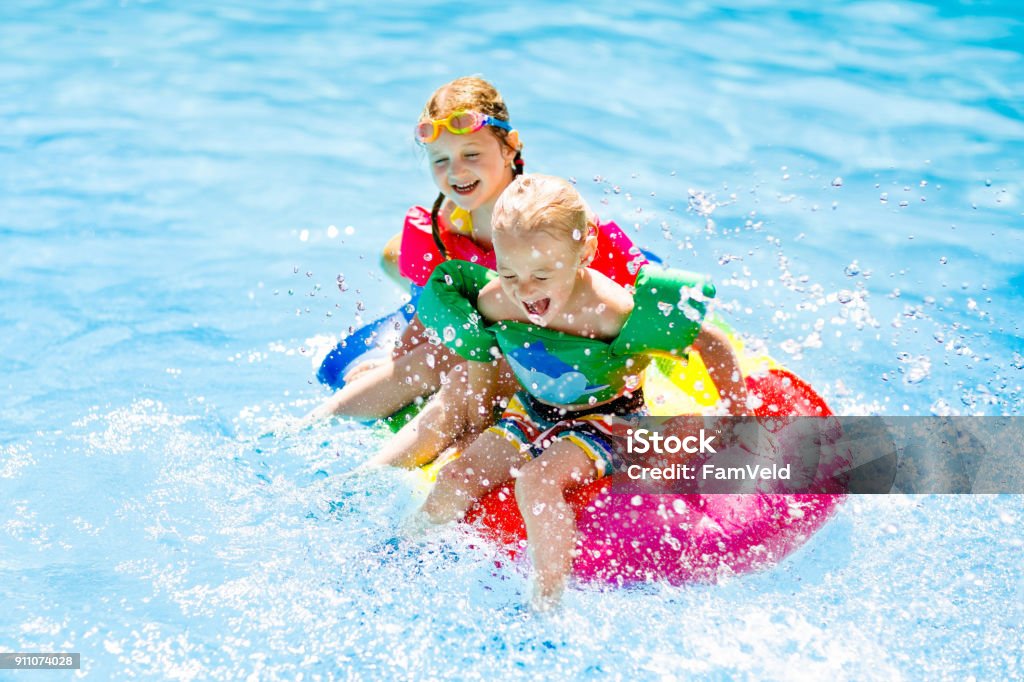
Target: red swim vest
616, 257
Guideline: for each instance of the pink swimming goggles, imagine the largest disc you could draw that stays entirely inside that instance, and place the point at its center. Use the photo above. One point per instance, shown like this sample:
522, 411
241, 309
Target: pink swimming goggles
458, 123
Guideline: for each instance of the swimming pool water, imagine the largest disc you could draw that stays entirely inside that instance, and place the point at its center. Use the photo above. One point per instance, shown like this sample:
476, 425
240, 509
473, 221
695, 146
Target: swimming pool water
181, 186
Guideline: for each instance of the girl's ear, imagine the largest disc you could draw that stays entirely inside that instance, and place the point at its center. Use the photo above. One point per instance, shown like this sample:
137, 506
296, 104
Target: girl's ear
512, 143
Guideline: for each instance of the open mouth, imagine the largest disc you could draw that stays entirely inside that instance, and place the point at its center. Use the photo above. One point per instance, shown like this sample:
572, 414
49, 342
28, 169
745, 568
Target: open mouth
537, 308
465, 189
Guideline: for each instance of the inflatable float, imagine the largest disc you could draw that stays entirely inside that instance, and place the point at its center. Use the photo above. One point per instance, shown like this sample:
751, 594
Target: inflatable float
625, 539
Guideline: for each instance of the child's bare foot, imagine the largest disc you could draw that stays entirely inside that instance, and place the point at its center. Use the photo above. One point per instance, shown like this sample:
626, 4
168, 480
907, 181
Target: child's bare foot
547, 594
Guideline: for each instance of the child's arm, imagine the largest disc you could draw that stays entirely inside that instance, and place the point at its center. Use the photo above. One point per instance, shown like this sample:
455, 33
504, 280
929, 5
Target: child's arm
457, 413
389, 259
723, 367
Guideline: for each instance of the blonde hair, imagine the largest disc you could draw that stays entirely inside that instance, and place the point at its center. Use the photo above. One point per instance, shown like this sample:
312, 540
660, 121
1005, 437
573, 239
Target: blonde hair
544, 202
469, 93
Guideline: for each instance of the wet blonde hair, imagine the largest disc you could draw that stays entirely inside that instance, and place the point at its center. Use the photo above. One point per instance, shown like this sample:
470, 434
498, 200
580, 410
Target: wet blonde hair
545, 203
469, 93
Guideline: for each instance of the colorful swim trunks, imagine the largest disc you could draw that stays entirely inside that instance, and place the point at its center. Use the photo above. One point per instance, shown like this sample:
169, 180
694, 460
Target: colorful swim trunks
600, 432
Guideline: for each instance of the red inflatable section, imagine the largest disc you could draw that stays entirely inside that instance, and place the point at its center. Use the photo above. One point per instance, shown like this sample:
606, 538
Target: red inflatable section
682, 538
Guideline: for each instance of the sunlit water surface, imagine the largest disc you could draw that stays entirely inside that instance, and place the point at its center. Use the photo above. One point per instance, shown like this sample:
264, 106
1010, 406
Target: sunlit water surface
181, 186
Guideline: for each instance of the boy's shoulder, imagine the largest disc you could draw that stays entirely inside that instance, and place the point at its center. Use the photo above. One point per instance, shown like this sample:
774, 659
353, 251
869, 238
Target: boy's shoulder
612, 304
493, 303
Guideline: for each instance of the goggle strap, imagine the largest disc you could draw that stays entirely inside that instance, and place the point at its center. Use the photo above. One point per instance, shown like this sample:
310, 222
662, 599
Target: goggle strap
497, 123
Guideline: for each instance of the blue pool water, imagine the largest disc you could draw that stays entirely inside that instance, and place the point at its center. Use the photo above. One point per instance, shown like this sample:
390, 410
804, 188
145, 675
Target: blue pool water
182, 184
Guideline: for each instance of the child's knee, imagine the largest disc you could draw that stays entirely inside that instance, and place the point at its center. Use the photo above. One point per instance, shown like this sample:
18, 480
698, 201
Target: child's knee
454, 475
536, 481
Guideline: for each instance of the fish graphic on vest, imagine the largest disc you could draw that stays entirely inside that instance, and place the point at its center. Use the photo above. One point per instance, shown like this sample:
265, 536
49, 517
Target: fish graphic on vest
548, 377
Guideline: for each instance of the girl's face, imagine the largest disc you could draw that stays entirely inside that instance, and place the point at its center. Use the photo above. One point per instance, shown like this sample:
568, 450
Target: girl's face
472, 169
538, 272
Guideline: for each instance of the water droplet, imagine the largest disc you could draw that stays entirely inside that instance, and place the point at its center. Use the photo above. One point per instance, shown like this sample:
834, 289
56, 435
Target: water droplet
837, 182
884, 198
943, 260
349, 230
449, 334
852, 270
919, 370
577, 235
342, 287
428, 257
988, 183
844, 296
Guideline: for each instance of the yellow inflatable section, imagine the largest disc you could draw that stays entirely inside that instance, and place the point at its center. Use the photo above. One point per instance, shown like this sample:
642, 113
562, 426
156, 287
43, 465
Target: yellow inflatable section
675, 386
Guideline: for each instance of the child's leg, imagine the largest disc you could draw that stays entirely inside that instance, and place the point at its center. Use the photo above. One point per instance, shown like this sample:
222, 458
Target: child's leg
550, 521
485, 465
386, 388
454, 416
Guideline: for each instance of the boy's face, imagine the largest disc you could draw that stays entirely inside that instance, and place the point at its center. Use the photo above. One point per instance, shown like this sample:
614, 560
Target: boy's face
470, 169
538, 271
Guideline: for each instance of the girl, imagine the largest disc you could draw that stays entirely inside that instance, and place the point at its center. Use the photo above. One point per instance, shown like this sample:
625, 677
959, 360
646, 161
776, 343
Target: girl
575, 340
474, 154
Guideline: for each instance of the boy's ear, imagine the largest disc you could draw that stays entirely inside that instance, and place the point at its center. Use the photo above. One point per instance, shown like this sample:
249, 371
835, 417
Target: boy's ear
589, 248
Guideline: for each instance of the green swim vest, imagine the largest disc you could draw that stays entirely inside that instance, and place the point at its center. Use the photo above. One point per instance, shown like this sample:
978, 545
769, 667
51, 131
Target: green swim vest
559, 368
